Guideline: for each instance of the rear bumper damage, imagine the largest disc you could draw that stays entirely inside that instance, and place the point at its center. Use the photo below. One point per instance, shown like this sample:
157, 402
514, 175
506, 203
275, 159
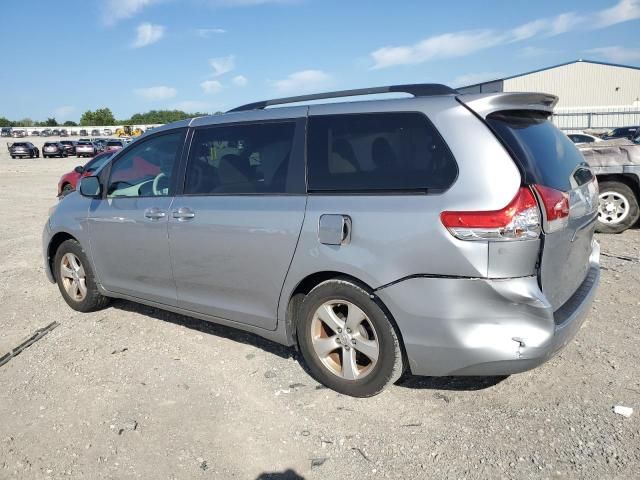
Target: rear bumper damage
454, 326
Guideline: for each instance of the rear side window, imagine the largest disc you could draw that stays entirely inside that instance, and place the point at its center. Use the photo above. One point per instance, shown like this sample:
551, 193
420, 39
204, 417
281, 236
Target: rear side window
240, 159
377, 152
544, 154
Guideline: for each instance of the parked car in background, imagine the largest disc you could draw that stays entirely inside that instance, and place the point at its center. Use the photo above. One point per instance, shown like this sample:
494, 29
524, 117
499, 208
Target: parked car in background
85, 148
112, 144
107, 132
581, 138
622, 132
69, 146
95, 132
23, 149
16, 133
55, 132
393, 240
83, 133
45, 133
73, 133
5, 132
99, 143
53, 149
69, 180
616, 164
64, 133
35, 133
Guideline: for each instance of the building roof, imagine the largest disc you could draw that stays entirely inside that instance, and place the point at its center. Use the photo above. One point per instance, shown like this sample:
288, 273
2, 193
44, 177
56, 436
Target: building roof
580, 60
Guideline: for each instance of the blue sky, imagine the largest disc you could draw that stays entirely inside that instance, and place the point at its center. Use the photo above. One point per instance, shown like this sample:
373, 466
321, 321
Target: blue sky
64, 57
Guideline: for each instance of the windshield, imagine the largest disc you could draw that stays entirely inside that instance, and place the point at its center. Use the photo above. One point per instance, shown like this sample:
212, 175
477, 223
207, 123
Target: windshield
545, 154
97, 163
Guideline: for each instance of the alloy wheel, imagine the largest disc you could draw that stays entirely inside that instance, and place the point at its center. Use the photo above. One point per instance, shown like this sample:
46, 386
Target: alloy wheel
73, 277
344, 339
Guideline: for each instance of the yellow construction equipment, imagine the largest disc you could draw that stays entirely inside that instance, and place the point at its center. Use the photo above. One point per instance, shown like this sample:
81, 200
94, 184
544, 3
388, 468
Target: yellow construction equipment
128, 131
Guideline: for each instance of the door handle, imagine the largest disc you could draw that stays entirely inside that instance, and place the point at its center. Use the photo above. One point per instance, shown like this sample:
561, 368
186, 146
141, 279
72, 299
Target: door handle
184, 213
154, 213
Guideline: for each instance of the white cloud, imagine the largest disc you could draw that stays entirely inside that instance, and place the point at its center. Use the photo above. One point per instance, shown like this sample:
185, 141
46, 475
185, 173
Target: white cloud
63, 113
207, 32
222, 65
116, 10
473, 78
148, 33
623, 11
211, 86
303, 81
458, 44
440, 46
156, 93
240, 80
617, 53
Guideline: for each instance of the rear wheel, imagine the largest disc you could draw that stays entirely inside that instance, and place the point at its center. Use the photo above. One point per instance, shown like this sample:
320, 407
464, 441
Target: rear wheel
75, 278
13, 156
618, 208
347, 340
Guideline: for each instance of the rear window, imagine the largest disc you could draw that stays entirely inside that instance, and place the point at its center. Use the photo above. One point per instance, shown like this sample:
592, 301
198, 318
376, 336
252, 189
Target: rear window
544, 154
17, 144
114, 144
377, 152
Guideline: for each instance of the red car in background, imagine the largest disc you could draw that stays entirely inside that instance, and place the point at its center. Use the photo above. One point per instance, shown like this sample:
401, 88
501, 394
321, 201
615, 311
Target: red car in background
69, 180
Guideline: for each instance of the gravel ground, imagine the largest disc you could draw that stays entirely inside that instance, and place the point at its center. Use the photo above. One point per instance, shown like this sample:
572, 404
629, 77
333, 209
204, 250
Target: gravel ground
136, 392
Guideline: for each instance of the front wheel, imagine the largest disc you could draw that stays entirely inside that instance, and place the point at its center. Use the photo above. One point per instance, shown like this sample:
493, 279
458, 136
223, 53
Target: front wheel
347, 340
617, 209
75, 278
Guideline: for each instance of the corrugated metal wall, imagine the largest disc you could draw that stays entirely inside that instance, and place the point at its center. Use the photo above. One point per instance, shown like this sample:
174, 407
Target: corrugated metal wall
582, 84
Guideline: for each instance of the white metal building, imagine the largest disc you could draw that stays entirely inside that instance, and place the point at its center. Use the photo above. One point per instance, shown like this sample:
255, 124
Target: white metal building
592, 95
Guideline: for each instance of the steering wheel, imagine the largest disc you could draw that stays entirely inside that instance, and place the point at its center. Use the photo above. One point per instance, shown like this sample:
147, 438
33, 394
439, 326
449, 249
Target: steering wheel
156, 182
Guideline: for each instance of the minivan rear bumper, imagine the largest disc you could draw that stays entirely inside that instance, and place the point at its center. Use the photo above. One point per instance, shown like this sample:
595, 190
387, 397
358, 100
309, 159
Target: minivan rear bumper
460, 326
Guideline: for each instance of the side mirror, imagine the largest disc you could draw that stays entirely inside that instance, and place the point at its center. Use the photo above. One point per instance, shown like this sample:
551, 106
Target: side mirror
90, 187
79, 169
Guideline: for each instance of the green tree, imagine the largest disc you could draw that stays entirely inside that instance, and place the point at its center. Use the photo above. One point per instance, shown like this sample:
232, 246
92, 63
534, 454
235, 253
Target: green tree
4, 122
51, 122
161, 116
70, 123
102, 116
25, 122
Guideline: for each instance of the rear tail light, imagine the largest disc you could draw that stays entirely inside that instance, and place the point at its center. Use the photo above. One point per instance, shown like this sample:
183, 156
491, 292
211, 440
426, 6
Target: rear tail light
520, 220
556, 208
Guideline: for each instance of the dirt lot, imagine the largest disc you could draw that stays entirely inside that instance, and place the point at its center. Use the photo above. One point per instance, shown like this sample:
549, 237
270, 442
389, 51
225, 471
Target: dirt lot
132, 391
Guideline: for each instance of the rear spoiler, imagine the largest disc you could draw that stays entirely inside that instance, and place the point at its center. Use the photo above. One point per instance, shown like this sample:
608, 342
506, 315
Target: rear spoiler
485, 104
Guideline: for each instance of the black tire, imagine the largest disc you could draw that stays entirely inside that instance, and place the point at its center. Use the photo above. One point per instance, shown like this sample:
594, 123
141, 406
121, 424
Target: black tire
93, 300
389, 365
630, 202
13, 156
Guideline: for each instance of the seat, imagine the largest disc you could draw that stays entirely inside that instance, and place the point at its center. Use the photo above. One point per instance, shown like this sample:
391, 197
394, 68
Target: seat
382, 155
343, 158
234, 173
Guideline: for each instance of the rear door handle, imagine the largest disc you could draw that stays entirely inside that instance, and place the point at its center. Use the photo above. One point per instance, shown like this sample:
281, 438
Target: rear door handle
184, 213
154, 213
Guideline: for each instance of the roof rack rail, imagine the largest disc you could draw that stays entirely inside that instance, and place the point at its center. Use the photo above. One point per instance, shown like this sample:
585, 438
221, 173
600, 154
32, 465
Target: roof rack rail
416, 89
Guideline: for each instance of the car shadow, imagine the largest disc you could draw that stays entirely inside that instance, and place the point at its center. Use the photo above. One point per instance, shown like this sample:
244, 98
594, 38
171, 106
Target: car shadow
285, 475
248, 338
206, 327
449, 383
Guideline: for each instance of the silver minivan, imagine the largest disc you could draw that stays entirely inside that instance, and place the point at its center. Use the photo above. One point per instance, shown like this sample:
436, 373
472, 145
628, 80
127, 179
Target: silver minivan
440, 234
